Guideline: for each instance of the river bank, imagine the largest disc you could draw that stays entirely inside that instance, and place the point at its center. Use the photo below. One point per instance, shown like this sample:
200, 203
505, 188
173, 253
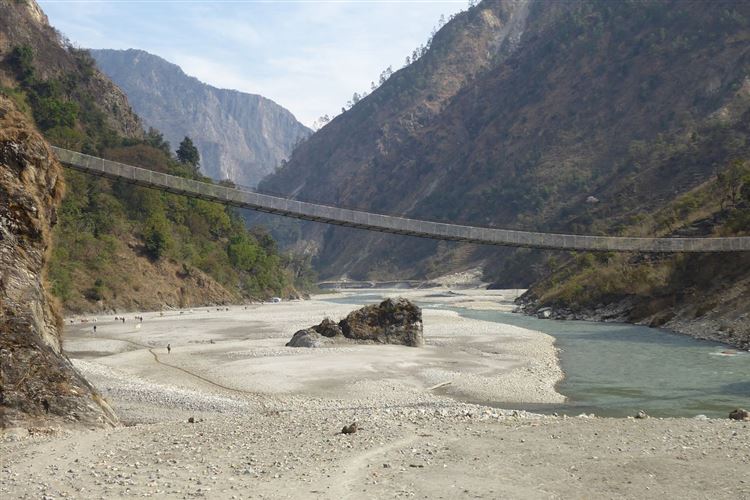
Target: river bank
267, 419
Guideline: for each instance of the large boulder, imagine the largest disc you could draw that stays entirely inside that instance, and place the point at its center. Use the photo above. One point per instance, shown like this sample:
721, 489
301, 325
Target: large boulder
327, 332
392, 321
306, 338
739, 414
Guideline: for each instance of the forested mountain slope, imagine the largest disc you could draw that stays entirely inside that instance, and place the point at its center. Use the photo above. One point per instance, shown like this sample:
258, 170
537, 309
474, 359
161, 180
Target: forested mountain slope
242, 137
521, 111
117, 246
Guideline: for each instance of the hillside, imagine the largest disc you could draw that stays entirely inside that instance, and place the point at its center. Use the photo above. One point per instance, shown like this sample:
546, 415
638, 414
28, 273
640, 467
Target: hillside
119, 247
23, 25
241, 137
703, 295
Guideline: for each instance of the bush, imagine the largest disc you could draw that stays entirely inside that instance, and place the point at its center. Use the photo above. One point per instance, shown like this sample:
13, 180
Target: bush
50, 112
156, 237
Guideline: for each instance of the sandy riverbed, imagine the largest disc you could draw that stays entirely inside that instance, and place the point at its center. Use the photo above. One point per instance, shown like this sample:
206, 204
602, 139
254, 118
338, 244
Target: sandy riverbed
268, 417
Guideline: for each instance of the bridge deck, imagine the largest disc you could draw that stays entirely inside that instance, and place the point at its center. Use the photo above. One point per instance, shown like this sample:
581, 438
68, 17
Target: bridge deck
388, 223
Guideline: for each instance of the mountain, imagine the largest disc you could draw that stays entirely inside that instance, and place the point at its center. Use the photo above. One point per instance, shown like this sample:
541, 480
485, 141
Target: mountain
582, 116
365, 157
241, 137
517, 113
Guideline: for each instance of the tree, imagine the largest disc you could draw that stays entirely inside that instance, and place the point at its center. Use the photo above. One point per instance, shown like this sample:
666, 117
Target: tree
187, 153
21, 60
731, 181
317, 125
156, 236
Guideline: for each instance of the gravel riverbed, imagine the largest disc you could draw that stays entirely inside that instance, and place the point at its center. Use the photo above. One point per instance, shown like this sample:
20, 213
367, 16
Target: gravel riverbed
267, 420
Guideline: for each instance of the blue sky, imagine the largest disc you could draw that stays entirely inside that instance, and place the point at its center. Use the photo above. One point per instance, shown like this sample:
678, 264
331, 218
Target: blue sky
309, 56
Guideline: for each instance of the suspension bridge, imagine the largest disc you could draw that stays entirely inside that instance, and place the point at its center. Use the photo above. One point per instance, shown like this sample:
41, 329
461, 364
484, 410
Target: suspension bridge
389, 223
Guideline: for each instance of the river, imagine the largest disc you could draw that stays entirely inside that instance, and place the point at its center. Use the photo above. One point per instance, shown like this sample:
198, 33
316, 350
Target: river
614, 369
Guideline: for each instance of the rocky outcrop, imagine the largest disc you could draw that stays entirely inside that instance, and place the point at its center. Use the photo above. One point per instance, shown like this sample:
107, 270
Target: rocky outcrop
392, 321
38, 384
241, 137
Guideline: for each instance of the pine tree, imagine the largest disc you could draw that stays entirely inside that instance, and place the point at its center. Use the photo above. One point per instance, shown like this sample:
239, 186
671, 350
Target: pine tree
188, 153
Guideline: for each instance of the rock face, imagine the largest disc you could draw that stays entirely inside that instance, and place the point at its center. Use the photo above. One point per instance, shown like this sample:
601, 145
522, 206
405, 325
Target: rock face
37, 382
391, 322
241, 137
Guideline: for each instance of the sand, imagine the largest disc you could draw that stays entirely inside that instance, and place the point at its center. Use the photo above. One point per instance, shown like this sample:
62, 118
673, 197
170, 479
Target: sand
268, 417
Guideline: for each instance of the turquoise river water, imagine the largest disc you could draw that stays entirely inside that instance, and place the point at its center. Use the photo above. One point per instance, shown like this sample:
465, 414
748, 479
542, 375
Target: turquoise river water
614, 369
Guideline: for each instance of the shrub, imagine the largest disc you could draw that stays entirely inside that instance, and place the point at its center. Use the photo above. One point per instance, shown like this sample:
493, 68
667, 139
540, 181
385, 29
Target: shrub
156, 237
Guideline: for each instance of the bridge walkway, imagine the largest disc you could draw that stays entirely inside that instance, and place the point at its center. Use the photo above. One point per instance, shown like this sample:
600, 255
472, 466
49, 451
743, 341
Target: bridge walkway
388, 223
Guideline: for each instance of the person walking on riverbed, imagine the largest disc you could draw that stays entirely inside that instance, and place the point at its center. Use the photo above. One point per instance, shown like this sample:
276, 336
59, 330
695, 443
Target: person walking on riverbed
169, 348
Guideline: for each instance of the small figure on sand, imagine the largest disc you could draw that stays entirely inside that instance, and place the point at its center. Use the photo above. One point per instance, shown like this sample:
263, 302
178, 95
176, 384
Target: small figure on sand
94, 328
169, 348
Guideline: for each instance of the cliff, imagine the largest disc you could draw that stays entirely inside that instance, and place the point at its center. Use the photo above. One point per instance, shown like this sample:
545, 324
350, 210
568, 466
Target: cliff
241, 137
37, 382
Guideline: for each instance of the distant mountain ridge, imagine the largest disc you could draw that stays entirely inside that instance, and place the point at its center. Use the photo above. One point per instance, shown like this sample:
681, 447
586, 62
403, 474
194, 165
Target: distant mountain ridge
241, 137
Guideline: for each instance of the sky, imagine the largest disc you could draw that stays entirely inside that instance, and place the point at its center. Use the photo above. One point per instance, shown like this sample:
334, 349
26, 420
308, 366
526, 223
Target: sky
308, 56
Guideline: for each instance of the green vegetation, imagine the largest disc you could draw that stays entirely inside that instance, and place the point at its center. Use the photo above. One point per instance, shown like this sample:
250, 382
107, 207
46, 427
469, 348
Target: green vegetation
101, 223
62, 107
722, 204
187, 153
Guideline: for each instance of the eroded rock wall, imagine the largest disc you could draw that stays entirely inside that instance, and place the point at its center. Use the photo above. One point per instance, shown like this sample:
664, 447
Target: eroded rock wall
38, 384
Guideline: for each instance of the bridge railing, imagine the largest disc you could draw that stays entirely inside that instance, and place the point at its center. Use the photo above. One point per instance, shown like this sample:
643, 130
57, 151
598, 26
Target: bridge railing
392, 224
